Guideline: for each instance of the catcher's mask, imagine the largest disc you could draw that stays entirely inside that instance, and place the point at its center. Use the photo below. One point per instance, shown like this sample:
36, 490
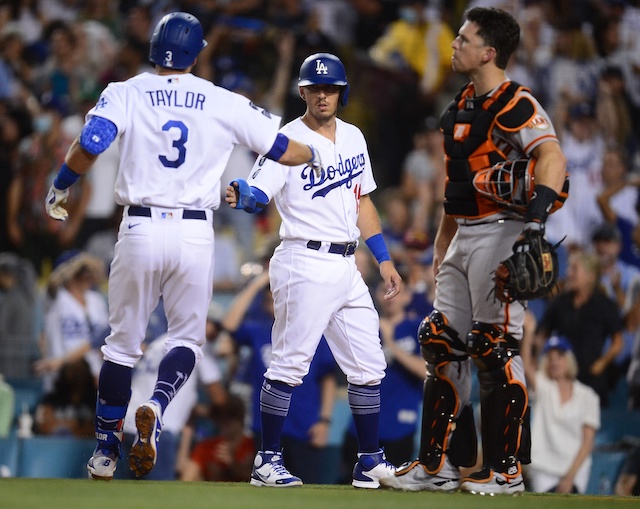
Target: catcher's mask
324, 69
511, 183
176, 41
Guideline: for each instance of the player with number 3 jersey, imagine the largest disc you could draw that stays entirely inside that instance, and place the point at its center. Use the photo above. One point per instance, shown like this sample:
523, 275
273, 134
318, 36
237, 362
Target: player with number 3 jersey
175, 132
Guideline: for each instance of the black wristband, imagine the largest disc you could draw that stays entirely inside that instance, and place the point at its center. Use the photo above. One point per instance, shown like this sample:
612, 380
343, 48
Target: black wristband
540, 204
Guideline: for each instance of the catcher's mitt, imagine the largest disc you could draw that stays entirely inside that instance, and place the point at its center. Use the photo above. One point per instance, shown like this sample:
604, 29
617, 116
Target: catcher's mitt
530, 272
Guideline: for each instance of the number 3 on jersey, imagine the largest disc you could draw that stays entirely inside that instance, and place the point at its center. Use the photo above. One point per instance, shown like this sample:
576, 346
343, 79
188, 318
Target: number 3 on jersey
177, 143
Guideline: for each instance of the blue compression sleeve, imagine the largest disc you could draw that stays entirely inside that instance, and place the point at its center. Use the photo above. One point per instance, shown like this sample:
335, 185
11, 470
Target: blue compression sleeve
279, 147
66, 177
97, 134
378, 247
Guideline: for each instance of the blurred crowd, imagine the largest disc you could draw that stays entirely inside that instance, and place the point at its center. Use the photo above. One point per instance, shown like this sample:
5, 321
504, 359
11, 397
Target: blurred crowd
581, 58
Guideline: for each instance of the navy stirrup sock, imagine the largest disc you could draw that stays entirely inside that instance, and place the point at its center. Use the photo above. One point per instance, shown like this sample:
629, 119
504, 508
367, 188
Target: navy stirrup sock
364, 401
114, 392
173, 372
275, 398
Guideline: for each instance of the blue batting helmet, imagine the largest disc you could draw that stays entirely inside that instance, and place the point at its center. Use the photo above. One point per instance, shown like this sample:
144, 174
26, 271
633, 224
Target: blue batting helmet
176, 41
324, 69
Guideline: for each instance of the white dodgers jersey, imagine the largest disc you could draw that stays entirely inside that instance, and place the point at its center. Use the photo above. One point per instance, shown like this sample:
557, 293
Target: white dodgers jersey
176, 133
324, 207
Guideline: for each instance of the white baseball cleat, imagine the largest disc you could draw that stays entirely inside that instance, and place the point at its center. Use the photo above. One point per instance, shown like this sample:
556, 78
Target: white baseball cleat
102, 465
370, 468
413, 476
269, 470
490, 482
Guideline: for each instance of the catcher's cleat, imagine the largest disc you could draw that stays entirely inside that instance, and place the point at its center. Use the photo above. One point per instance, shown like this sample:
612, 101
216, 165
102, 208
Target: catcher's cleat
370, 468
413, 476
490, 482
144, 451
269, 470
102, 464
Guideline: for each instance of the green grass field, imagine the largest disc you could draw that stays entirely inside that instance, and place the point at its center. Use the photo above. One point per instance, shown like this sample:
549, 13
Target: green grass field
87, 494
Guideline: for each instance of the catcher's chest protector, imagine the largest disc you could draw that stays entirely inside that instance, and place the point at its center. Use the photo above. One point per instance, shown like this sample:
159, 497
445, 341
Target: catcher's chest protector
468, 124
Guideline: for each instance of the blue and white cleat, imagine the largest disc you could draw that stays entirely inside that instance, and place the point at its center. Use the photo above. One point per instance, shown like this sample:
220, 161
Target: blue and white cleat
102, 464
144, 451
370, 468
269, 470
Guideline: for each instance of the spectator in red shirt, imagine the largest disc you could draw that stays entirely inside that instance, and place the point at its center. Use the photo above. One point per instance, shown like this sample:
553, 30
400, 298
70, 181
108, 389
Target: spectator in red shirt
227, 456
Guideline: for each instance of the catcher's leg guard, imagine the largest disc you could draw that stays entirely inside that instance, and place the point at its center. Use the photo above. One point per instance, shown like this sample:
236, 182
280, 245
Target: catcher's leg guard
447, 423
503, 399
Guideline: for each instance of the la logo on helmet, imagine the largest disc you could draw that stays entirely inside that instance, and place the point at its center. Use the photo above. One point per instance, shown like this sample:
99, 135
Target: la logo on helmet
321, 68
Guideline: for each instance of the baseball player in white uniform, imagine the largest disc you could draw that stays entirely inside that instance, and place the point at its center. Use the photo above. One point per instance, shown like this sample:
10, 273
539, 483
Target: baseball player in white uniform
316, 286
175, 132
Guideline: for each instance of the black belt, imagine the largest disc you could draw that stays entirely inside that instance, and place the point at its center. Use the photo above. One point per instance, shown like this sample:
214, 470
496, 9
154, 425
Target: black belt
186, 214
342, 249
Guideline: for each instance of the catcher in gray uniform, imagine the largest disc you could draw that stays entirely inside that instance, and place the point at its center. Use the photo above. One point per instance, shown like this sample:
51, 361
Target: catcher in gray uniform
505, 174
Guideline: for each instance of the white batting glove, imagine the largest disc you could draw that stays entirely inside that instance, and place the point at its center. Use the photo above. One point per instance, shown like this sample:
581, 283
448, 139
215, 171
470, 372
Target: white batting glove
315, 161
53, 203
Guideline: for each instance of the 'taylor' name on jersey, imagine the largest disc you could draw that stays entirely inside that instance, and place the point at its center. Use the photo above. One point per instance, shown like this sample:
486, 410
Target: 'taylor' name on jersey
176, 98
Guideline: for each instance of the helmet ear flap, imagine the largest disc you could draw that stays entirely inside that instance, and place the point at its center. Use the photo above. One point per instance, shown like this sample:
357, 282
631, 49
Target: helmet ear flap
344, 95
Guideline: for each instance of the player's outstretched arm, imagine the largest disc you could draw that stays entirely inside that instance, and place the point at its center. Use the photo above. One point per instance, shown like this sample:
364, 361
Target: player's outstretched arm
293, 153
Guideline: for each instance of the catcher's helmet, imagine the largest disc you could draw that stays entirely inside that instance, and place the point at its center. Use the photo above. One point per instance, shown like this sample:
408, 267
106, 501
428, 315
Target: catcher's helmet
324, 69
176, 41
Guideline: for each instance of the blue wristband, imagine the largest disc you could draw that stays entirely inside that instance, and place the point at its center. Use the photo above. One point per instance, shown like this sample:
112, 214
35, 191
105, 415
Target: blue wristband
378, 247
66, 177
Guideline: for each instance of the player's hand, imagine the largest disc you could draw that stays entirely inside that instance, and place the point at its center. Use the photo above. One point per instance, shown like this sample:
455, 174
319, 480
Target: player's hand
315, 161
392, 279
232, 195
53, 203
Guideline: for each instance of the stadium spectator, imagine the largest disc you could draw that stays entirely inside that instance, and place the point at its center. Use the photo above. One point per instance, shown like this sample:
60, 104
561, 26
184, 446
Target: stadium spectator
33, 234
621, 282
566, 416
69, 408
619, 200
20, 316
76, 318
228, 455
627, 482
587, 318
583, 146
423, 175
